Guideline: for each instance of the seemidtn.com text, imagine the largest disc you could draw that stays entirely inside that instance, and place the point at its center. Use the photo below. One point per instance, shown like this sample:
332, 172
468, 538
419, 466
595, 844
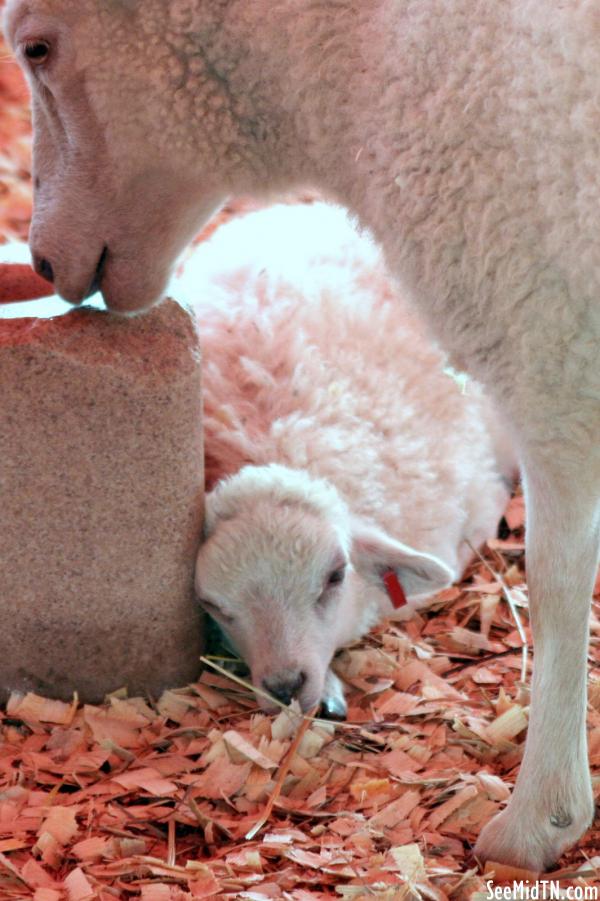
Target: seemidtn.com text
541, 890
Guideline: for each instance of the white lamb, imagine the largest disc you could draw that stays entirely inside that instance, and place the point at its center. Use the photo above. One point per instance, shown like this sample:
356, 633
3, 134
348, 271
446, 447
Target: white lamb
465, 134
365, 456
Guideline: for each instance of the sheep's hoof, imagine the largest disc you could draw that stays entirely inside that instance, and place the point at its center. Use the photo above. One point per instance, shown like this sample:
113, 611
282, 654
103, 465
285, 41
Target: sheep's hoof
333, 702
531, 839
333, 708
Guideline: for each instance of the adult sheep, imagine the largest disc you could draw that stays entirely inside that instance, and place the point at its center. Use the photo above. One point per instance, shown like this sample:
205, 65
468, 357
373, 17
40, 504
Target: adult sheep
339, 454
464, 134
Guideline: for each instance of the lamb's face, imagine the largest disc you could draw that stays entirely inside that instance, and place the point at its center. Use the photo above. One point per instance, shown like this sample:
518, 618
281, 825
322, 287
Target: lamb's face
278, 582
291, 576
130, 127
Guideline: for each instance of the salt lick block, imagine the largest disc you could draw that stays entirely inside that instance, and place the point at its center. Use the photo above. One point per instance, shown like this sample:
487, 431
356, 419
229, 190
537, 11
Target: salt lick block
101, 502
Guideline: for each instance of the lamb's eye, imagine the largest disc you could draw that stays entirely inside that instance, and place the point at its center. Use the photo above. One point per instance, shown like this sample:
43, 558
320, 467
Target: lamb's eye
214, 610
37, 52
336, 576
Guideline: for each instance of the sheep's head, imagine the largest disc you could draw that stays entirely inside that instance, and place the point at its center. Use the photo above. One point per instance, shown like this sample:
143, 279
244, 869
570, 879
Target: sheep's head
289, 574
138, 137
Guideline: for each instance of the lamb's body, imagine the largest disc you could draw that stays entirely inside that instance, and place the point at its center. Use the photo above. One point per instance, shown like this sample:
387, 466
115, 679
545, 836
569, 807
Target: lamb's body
312, 362
465, 135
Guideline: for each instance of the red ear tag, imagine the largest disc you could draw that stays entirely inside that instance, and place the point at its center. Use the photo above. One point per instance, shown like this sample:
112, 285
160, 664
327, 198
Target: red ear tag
394, 588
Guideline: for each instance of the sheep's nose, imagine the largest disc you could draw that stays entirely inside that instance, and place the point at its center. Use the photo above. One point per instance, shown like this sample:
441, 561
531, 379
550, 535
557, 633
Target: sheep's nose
44, 268
97, 278
285, 686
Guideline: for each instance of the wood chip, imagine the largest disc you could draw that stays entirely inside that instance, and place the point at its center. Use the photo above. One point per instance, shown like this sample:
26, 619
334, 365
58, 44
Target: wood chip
78, 887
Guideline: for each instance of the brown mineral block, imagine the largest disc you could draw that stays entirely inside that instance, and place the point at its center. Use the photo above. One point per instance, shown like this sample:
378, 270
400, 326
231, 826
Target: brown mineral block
101, 496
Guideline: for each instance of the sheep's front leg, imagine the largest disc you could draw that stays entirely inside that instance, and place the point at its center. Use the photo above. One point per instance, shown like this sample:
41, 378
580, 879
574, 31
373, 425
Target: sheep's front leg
552, 804
333, 702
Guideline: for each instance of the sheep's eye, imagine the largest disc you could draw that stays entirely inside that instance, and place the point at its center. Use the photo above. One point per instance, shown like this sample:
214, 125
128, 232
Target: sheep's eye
37, 52
336, 576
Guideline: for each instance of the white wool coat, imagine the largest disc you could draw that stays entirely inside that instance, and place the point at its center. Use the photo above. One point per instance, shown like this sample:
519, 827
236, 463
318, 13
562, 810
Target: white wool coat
313, 360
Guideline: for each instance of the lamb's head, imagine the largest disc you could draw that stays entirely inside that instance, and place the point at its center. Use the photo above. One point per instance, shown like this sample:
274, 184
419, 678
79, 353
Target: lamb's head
138, 136
291, 576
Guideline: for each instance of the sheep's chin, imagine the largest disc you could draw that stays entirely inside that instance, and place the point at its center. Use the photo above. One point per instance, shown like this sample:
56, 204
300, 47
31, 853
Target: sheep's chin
127, 294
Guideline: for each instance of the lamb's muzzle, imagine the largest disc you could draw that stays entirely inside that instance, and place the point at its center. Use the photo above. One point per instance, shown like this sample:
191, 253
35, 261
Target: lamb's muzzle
285, 685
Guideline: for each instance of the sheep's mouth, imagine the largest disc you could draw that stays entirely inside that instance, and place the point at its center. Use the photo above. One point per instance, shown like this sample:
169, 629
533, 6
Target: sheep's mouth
96, 282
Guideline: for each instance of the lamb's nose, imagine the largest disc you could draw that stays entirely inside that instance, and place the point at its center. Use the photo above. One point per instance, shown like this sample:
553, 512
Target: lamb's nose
44, 268
285, 686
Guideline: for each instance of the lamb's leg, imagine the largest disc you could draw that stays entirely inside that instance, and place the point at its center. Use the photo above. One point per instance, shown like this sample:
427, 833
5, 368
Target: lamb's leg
552, 804
333, 702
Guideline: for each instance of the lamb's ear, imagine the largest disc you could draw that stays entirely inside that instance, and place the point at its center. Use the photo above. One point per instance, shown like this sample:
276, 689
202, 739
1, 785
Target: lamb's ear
373, 553
220, 503
212, 513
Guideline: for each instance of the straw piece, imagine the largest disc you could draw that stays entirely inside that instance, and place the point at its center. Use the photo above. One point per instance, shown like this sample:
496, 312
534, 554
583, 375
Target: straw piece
283, 771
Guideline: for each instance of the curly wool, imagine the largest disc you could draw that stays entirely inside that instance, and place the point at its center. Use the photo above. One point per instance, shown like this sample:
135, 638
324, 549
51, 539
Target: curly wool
311, 360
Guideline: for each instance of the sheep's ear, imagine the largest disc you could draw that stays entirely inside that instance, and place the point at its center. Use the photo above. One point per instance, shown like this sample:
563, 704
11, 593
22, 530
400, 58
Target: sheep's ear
374, 553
